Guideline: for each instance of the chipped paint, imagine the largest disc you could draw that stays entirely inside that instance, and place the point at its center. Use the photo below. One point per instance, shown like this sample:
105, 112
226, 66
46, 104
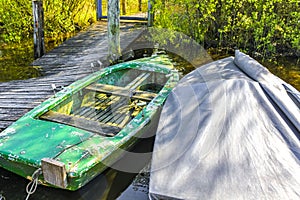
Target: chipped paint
83, 152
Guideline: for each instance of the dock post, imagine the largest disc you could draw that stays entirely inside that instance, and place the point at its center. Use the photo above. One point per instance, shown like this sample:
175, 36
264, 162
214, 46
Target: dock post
140, 5
38, 28
123, 6
150, 14
99, 9
113, 29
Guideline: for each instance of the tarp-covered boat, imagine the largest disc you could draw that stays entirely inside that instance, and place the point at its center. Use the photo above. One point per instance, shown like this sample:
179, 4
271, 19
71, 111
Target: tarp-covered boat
75, 135
229, 130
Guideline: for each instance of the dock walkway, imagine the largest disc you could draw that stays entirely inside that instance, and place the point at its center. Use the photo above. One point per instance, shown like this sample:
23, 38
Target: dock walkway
61, 66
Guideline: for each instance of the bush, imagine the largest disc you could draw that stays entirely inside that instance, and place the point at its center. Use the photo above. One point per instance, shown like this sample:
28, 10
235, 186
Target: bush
16, 21
267, 27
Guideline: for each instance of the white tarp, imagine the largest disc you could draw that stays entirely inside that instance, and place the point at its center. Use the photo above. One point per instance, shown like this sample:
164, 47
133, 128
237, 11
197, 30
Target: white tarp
229, 130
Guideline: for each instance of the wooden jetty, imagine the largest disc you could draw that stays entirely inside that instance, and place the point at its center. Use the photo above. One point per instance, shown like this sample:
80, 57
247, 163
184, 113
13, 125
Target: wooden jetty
72, 60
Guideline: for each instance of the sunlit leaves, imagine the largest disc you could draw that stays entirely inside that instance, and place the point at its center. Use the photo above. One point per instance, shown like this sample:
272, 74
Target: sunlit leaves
65, 16
264, 26
14, 16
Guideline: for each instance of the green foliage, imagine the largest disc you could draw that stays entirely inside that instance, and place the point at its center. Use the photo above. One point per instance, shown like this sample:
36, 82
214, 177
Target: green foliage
263, 26
15, 15
16, 21
128, 7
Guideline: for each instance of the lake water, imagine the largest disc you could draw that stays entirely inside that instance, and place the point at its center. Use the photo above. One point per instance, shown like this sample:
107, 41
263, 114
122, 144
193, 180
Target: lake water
112, 184
15, 61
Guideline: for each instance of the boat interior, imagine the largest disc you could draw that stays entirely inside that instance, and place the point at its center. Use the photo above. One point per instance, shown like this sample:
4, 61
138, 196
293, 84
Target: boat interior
108, 104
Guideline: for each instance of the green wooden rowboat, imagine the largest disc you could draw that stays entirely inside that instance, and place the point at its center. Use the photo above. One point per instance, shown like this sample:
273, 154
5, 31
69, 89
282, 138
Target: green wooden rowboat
75, 135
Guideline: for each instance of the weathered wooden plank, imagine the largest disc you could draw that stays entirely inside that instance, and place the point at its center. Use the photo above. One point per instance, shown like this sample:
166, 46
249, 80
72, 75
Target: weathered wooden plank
35, 80
13, 111
57, 78
61, 54
24, 97
66, 50
18, 105
63, 66
83, 123
74, 75
5, 124
32, 86
26, 93
20, 101
53, 55
28, 88
50, 61
54, 172
115, 90
138, 80
31, 89
83, 42
9, 117
75, 69
32, 83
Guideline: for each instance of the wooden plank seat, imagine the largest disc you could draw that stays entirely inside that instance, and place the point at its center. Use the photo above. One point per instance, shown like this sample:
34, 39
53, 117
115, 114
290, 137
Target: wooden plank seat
111, 113
80, 122
121, 91
128, 91
138, 80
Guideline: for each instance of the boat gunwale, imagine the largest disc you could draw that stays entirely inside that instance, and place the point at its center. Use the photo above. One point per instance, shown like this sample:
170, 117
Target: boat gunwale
82, 83
157, 101
136, 124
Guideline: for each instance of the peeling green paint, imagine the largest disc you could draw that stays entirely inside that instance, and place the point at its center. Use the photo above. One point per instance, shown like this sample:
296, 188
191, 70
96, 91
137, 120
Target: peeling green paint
85, 154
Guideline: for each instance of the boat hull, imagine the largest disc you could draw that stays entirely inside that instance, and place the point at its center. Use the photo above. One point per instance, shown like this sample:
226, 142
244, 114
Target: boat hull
85, 128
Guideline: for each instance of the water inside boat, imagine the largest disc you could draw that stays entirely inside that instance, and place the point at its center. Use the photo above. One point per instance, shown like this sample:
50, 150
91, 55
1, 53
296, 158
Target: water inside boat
108, 104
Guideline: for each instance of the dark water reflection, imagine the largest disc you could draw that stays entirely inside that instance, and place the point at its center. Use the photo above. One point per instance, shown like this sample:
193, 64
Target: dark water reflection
286, 68
15, 59
14, 62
